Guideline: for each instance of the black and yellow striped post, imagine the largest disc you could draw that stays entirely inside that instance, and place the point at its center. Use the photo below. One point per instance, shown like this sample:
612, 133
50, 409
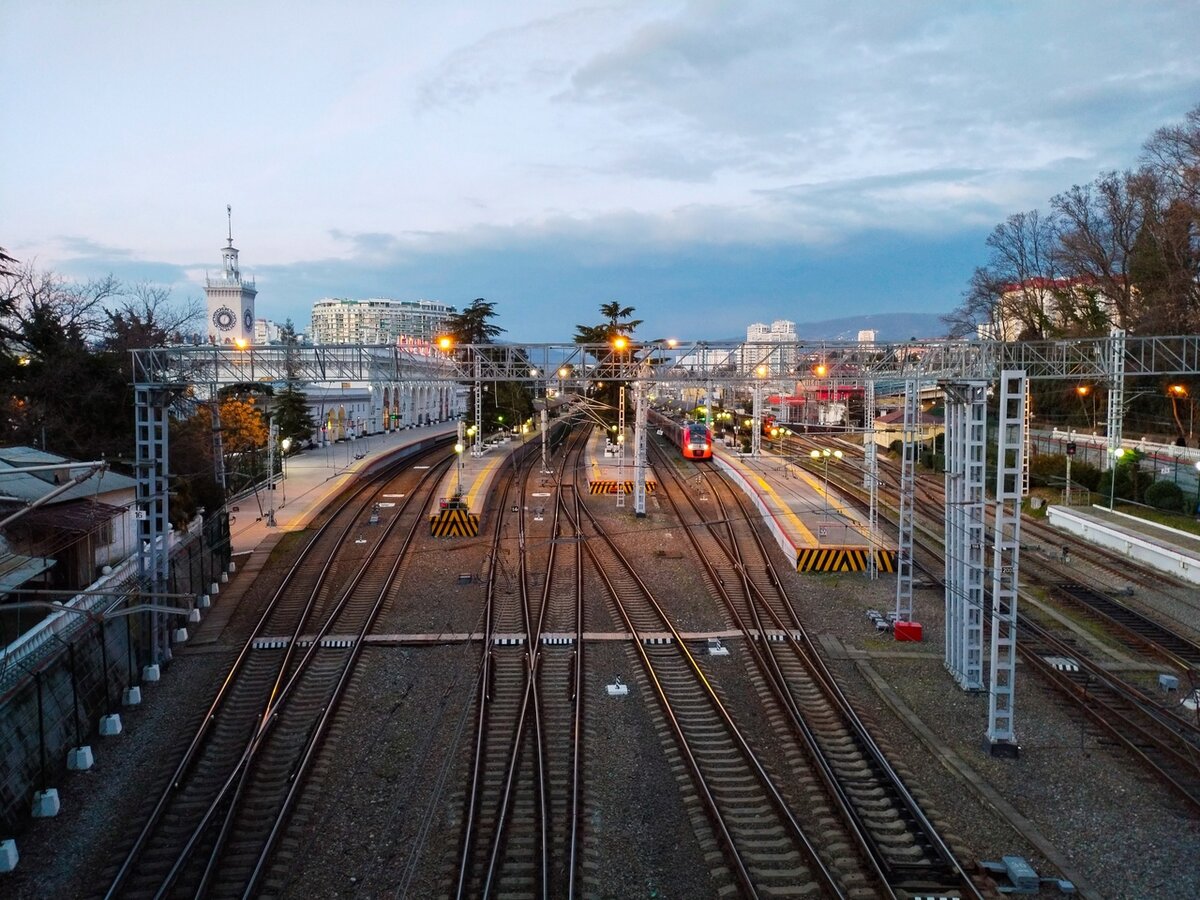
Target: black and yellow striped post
454, 523
831, 559
609, 486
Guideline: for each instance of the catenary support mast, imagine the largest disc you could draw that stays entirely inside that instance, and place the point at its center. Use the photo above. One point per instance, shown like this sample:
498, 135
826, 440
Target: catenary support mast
1001, 733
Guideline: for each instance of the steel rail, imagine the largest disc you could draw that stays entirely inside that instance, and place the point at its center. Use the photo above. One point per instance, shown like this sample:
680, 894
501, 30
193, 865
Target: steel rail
815, 664
297, 777
239, 777
210, 717
820, 872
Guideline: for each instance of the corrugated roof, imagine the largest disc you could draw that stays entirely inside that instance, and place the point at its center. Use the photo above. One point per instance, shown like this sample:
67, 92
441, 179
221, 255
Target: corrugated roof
896, 417
78, 517
30, 486
15, 570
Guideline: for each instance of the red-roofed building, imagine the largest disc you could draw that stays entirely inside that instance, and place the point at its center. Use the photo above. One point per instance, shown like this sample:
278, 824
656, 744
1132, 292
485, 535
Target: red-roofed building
1047, 307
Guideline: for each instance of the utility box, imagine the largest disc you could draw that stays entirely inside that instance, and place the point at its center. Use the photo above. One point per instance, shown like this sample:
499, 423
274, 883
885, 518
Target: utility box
907, 631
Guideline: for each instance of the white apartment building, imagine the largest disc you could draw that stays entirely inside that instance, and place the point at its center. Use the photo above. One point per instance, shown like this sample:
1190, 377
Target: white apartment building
377, 321
265, 332
781, 331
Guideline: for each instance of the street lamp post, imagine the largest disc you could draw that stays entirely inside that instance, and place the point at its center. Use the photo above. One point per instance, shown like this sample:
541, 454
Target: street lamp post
1179, 392
1083, 390
286, 444
824, 455
1112, 485
458, 450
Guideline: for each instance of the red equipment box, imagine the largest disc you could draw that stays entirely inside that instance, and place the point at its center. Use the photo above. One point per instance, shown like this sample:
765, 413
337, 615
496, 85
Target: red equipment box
907, 631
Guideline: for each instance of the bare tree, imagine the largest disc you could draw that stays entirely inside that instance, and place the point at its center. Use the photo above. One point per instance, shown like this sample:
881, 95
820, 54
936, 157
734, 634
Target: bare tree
1022, 268
1168, 258
32, 300
147, 316
979, 313
1099, 224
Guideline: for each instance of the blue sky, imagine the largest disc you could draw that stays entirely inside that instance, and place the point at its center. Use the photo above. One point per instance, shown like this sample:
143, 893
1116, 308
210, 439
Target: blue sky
710, 163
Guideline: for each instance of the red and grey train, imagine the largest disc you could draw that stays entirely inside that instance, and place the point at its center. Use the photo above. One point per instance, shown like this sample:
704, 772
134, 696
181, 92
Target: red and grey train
693, 439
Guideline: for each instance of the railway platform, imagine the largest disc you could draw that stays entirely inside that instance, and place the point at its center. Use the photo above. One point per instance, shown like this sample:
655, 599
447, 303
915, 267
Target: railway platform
811, 523
1165, 549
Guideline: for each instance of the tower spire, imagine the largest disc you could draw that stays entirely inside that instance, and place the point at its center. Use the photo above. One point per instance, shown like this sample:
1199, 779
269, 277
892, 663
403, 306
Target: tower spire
229, 216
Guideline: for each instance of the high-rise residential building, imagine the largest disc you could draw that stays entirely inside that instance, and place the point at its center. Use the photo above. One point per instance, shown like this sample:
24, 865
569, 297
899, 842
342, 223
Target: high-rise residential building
230, 298
868, 336
377, 321
781, 331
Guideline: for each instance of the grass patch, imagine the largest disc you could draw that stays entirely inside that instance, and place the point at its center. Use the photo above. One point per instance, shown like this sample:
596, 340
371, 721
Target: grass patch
1162, 517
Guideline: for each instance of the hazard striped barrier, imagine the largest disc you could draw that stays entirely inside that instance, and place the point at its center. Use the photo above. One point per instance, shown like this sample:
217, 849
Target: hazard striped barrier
609, 486
454, 523
842, 559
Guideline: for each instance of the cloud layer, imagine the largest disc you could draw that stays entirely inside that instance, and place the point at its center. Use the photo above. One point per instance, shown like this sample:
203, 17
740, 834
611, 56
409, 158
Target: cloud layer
553, 155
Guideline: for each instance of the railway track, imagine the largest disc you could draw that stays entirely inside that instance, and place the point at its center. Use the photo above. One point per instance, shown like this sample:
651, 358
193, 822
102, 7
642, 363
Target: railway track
1136, 627
898, 845
764, 848
1160, 738
214, 825
520, 835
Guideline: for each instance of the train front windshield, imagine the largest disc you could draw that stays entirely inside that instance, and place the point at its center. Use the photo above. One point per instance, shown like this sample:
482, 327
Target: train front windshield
697, 434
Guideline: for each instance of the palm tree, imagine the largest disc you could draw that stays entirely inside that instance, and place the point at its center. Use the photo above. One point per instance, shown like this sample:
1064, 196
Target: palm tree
473, 325
614, 312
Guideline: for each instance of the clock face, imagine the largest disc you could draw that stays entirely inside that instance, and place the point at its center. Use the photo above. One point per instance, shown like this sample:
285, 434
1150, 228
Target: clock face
249, 320
225, 318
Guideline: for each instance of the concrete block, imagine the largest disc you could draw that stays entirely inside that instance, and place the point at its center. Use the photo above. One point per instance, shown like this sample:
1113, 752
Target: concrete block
617, 688
166, 654
179, 635
110, 725
214, 589
224, 578
80, 759
151, 672
715, 648
45, 804
194, 615
131, 696
8, 855
232, 567
204, 602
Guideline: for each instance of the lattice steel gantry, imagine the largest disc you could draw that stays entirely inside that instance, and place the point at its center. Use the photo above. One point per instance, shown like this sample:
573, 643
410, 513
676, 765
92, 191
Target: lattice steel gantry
1006, 557
966, 465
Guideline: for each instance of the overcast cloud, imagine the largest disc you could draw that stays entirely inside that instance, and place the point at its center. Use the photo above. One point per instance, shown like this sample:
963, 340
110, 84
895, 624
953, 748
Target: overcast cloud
710, 163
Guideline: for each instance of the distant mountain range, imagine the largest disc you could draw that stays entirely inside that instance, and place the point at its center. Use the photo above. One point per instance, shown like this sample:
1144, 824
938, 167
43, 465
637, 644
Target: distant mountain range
890, 327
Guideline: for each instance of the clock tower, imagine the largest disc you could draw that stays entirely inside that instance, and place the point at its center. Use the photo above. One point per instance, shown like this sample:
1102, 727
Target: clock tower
230, 298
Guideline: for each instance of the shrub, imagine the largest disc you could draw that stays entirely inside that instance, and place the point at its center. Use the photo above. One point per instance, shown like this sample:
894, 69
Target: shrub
1046, 469
1166, 495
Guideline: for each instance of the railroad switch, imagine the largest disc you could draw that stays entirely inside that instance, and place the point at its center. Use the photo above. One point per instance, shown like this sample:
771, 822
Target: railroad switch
1022, 878
618, 688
